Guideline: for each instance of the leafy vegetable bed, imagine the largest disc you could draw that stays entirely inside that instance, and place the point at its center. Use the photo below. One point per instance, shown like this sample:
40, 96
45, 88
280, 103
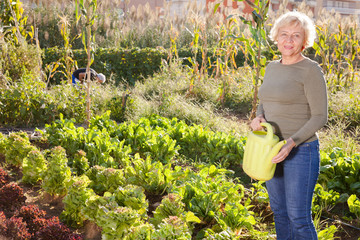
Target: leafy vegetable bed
155, 179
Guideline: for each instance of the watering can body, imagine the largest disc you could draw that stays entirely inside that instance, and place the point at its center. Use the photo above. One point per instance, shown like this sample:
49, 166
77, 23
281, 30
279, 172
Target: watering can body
260, 148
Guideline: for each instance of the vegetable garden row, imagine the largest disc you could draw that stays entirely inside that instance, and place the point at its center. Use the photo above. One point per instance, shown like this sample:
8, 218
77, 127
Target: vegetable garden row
157, 178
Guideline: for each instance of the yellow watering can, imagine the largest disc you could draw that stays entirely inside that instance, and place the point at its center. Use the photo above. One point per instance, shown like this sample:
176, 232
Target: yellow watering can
260, 148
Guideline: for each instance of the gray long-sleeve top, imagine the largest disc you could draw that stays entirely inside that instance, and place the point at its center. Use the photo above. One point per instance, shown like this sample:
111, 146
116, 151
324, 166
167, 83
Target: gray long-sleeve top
293, 98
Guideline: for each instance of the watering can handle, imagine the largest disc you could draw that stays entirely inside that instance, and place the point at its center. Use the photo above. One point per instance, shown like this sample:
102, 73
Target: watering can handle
269, 130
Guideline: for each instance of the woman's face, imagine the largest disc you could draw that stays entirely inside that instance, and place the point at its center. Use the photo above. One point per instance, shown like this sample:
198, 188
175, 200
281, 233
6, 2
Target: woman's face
290, 40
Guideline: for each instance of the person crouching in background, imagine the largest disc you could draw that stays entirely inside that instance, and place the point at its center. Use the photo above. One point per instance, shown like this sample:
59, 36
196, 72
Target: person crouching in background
79, 76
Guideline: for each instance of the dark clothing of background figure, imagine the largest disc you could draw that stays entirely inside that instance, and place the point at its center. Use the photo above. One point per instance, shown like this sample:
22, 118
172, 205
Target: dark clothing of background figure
76, 73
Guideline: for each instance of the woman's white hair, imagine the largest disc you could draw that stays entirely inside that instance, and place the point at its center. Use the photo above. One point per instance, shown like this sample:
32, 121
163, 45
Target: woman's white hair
297, 19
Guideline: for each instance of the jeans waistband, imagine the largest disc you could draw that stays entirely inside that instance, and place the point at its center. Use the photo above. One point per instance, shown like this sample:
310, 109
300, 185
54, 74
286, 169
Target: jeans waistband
308, 144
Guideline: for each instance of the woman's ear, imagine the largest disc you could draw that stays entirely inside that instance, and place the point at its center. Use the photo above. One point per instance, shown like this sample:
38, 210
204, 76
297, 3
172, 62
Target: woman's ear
303, 46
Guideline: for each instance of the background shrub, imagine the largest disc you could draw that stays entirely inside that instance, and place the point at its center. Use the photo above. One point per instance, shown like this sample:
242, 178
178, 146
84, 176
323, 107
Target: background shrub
25, 102
125, 65
17, 61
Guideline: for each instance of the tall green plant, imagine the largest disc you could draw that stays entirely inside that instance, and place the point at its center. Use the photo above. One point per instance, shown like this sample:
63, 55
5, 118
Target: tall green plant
341, 40
226, 50
353, 53
193, 60
254, 45
87, 9
322, 47
12, 18
338, 51
173, 51
68, 62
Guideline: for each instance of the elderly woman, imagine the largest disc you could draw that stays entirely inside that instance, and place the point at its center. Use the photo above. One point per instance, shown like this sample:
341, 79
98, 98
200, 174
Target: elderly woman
293, 98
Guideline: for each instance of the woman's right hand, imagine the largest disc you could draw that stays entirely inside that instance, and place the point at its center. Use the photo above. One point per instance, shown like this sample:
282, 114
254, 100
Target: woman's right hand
255, 123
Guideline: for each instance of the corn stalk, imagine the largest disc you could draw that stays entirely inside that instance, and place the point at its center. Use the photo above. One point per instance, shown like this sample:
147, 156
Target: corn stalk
194, 48
13, 19
87, 9
339, 53
254, 45
67, 60
226, 51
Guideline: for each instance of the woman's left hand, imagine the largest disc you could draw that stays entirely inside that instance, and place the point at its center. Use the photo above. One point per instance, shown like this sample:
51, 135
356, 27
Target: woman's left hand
284, 151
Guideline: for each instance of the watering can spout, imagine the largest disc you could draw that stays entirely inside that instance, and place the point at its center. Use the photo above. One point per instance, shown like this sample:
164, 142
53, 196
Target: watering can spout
275, 150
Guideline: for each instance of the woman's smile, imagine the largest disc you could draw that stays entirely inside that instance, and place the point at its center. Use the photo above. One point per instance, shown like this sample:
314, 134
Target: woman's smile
290, 41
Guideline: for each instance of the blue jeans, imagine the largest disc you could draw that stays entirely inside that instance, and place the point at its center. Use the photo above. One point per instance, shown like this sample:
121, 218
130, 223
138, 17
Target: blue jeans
291, 191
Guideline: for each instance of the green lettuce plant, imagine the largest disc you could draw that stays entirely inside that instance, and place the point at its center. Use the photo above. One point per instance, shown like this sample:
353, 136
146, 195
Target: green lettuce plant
141, 232
340, 172
160, 146
80, 163
92, 206
133, 197
327, 233
324, 200
99, 142
172, 227
98, 146
64, 133
33, 165
154, 177
121, 153
148, 141
236, 217
102, 144
171, 205
354, 205
105, 179
17, 147
115, 221
210, 234
57, 176
103, 122
198, 142
207, 191
195, 142
74, 201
